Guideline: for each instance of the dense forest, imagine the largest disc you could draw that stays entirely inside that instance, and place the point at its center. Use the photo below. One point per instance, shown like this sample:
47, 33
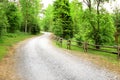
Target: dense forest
94, 24
67, 19
22, 16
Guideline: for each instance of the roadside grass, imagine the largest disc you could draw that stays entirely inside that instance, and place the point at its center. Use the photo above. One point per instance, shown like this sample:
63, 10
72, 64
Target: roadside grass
112, 58
10, 39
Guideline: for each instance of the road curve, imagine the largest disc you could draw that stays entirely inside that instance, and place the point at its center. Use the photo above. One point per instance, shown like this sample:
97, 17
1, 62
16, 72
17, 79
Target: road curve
37, 59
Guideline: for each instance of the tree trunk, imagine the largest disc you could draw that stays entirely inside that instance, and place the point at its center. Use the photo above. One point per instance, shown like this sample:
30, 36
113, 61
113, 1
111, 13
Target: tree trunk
97, 37
97, 40
26, 26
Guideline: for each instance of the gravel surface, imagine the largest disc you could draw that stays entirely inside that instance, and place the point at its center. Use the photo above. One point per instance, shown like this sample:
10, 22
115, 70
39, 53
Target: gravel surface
37, 59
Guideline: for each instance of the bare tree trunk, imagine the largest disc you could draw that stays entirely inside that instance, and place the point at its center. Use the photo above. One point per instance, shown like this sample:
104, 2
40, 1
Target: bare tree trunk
116, 37
26, 26
98, 14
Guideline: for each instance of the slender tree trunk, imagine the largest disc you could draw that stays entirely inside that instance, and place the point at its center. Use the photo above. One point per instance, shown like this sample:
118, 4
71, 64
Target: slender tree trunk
97, 41
117, 37
26, 26
98, 15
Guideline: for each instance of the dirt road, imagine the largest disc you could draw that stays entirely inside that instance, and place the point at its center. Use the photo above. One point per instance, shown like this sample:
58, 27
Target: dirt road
39, 60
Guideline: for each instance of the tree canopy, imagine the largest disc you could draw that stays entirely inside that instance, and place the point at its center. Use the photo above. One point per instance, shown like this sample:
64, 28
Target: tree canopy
62, 19
93, 24
66, 19
30, 11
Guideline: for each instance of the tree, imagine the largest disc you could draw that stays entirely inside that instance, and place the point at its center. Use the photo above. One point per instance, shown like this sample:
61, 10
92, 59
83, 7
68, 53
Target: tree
30, 10
25, 9
76, 12
57, 29
47, 20
95, 22
116, 17
106, 29
62, 18
3, 20
14, 17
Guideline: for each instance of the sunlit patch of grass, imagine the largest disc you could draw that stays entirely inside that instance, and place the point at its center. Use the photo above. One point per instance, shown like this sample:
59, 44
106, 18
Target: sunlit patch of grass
3, 51
10, 39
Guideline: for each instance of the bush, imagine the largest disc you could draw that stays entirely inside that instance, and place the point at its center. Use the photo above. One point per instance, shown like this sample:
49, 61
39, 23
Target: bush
79, 39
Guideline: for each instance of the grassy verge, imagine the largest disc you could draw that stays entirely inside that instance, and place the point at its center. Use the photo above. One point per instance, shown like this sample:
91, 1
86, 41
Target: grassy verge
106, 56
9, 40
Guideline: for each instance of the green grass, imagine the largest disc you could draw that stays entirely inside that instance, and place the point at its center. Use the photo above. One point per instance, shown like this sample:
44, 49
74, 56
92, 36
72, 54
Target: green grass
10, 39
107, 56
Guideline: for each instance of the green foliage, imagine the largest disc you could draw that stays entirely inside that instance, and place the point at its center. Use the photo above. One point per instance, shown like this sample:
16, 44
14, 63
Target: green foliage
76, 12
30, 11
116, 18
14, 17
102, 35
96, 22
11, 17
79, 39
34, 28
62, 19
47, 21
69, 20
107, 29
96, 25
3, 20
57, 29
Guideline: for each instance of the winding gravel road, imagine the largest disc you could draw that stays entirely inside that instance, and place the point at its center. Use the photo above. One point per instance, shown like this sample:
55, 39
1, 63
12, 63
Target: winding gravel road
37, 59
